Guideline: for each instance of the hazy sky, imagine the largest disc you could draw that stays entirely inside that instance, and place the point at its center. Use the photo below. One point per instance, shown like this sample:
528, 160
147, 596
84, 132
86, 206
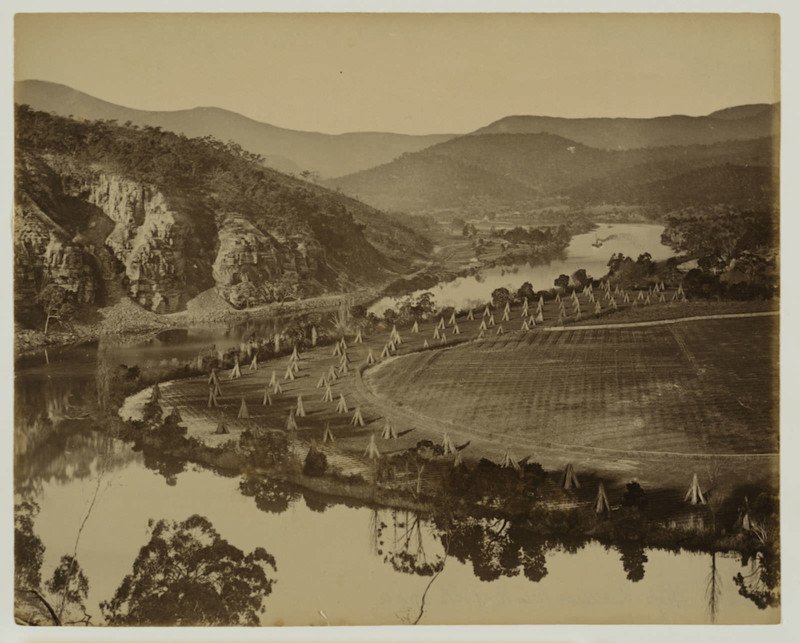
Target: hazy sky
407, 73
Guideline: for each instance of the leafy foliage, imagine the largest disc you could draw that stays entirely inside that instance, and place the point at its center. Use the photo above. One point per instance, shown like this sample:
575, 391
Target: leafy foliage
188, 575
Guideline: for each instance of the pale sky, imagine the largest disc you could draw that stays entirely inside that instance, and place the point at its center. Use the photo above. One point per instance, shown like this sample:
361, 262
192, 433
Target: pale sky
404, 72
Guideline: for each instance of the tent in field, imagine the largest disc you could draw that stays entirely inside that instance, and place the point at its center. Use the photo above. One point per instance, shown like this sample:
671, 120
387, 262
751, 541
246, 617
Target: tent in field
578, 315
525, 325
539, 317
486, 311
332, 376
213, 379
444, 338
277, 388
397, 340
499, 330
647, 300
155, 395
452, 319
370, 357
343, 368
221, 429
436, 334
291, 423
385, 351
456, 329
560, 320
613, 303
321, 381
626, 299
695, 494
470, 315
415, 327
441, 323
483, 325
558, 298
505, 316
236, 372
327, 436
244, 414
358, 339
267, 401
680, 289
597, 308
289, 374
273, 379
491, 319
358, 419
295, 354
457, 460
640, 296
447, 444
343, 344
540, 303
425, 344
372, 449
481, 334
388, 432
507, 308
569, 480
212, 397
662, 299
509, 462
601, 502
301, 409
341, 407
295, 368
337, 350
328, 396
254, 363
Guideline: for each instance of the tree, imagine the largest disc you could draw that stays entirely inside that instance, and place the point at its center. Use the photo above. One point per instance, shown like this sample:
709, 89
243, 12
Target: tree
55, 304
500, 296
70, 584
562, 281
579, 278
188, 575
526, 291
28, 548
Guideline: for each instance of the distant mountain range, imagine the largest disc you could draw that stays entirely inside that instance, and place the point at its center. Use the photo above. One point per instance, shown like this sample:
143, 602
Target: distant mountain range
520, 159
286, 150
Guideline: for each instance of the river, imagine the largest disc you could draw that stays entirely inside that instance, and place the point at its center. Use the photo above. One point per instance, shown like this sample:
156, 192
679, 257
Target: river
631, 239
337, 563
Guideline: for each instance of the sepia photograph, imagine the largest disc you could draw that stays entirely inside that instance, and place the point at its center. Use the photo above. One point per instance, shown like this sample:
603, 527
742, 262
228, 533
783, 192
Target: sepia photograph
361, 319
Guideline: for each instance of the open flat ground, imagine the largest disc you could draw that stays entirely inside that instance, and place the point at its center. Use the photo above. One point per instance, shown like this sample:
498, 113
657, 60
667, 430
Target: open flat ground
655, 401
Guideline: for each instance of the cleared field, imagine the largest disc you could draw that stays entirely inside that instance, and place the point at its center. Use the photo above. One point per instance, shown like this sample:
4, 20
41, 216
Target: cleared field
692, 388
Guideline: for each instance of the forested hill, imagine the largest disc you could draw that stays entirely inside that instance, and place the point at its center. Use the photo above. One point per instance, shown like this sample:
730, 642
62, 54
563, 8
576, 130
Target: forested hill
103, 210
735, 123
283, 149
516, 170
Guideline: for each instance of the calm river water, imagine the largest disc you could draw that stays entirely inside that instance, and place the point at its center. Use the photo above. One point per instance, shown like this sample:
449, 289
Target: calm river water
334, 560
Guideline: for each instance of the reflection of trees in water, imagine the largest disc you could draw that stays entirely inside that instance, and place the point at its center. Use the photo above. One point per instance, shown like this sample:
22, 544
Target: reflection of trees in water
270, 496
402, 542
760, 583
633, 559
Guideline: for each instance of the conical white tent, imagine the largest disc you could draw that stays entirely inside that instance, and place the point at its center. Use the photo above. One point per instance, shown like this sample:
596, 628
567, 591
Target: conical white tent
456, 329
626, 299
289, 374
295, 354
321, 381
358, 339
558, 298
372, 449
491, 319
640, 296
425, 344
327, 436
441, 323
597, 308
343, 368
444, 338
525, 325
447, 444
647, 300
483, 325
267, 401
452, 319
613, 303
505, 316
569, 479
332, 376
486, 311
481, 334
415, 327
661, 298
601, 502
436, 334
277, 388
243, 412
695, 494
470, 315
273, 379
499, 330
291, 423
358, 419
343, 344
294, 366
539, 317
370, 357
212, 378
328, 396
301, 409
385, 351
388, 432
507, 308
509, 462
337, 349
236, 372
341, 407
212, 398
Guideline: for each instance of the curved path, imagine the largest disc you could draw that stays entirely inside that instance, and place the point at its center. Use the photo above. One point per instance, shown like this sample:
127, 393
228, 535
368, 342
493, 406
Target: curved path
660, 322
